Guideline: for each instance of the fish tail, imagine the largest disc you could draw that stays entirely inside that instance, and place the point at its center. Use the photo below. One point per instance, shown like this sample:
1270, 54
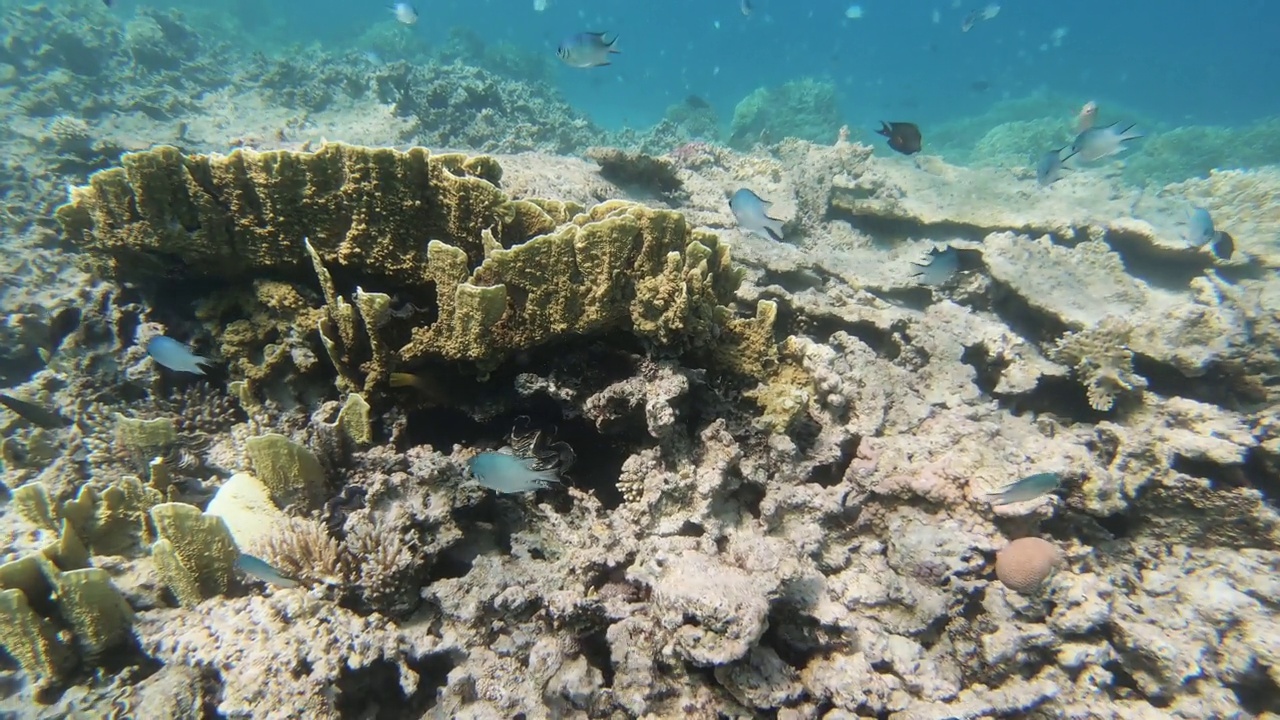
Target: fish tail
773, 226
1124, 134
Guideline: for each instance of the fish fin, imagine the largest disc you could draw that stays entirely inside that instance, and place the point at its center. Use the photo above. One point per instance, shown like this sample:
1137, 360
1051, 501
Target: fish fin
1124, 134
773, 227
601, 64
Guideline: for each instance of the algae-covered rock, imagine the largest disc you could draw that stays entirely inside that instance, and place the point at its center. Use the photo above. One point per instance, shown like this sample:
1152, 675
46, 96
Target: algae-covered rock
195, 554
489, 276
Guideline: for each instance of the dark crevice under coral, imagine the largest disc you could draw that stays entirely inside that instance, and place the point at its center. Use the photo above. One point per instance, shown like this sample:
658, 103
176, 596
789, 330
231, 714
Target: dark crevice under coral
599, 457
797, 280
1217, 386
377, 685
595, 647
1022, 317
1170, 268
794, 634
832, 473
889, 231
1252, 473
1257, 692
1063, 398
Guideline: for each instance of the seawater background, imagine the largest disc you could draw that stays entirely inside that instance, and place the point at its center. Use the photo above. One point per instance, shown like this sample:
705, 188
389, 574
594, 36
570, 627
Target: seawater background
1179, 61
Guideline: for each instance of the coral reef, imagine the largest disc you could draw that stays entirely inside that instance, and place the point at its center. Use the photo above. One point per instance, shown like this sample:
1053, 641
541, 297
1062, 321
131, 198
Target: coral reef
806, 109
614, 266
775, 470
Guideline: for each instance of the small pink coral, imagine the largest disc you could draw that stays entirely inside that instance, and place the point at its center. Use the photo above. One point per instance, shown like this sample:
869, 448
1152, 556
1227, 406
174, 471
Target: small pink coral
1026, 562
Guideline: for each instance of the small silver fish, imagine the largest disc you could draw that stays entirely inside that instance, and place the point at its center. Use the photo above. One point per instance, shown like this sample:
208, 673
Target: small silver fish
745, 7
942, 264
404, 13
587, 50
1028, 488
1100, 142
752, 214
260, 569
1200, 230
1051, 166
509, 474
175, 356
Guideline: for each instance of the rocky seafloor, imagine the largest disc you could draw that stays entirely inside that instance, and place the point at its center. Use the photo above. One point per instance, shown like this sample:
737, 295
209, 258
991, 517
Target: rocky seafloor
777, 506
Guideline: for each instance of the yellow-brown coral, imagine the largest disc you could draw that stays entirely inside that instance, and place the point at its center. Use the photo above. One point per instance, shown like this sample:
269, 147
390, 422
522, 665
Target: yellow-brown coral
489, 276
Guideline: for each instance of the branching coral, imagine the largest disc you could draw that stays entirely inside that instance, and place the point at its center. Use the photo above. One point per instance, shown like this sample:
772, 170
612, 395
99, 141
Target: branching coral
1102, 360
301, 549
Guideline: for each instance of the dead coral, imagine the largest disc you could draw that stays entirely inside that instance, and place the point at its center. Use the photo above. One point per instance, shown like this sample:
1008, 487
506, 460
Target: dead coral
1102, 360
284, 656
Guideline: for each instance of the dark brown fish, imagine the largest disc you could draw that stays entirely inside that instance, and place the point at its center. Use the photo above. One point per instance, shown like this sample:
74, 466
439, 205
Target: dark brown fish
979, 86
903, 136
36, 415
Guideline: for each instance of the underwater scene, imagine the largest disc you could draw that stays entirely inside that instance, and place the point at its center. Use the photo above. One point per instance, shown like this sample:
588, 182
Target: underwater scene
525, 359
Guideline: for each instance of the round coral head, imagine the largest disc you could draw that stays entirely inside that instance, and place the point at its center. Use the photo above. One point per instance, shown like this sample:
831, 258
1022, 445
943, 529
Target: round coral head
1026, 562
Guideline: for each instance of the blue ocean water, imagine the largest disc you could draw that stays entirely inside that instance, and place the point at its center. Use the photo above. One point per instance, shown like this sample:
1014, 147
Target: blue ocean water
1181, 61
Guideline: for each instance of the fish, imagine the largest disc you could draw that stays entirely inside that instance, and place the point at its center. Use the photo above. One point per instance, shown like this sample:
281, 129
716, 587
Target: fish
745, 7
175, 356
509, 474
854, 12
1223, 245
941, 265
587, 50
33, 413
1051, 166
752, 213
1200, 231
980, 86
109, 3
1086, 117
259, 569
974, 17
1028, 488
903, 136
432, 389
1100, 142
404, 13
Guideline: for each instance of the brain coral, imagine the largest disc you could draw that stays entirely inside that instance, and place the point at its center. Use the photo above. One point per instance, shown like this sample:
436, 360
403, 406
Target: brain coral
1025, 563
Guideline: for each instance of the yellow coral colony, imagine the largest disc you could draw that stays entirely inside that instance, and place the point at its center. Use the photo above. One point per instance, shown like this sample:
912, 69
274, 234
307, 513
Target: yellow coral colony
497, 275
